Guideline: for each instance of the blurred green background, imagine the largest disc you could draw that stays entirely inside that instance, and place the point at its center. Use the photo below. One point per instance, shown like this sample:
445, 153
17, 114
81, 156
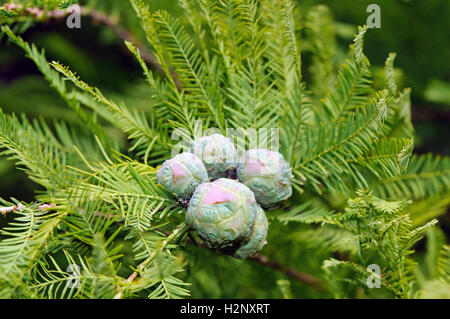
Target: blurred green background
418, 31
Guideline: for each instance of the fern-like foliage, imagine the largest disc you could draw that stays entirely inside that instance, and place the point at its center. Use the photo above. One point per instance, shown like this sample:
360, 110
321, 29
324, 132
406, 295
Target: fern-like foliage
384, 237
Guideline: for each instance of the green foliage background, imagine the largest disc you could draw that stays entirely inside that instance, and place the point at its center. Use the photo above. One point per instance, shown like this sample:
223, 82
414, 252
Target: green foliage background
100, 58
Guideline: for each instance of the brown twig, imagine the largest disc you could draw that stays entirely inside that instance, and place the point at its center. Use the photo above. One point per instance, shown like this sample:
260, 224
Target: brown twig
295, 274
19, 207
